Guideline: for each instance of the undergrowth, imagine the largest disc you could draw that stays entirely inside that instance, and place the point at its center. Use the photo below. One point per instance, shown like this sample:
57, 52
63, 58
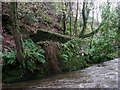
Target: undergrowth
54, 58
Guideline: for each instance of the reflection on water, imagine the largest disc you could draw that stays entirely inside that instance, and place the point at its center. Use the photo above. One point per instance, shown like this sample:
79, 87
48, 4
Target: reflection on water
103, 75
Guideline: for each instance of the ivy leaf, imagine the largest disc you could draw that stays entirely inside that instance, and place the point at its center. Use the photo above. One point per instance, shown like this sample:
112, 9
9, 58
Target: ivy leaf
40, 55
31, 64
41, 60
64, 56
41, 51
11, 61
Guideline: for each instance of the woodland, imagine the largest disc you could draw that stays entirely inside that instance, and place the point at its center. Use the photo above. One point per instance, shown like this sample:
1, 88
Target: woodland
41, 39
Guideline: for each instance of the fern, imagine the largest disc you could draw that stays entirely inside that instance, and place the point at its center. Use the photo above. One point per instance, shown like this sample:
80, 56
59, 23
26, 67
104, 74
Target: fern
33, 53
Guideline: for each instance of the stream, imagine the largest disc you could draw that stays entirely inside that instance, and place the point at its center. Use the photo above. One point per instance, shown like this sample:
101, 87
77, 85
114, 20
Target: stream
104, 75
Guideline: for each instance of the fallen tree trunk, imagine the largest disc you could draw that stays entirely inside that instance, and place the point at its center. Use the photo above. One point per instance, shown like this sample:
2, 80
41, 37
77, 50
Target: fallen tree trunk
43, 35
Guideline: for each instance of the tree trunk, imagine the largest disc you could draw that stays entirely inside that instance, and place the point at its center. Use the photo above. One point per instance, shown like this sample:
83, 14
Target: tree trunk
16, 33
70, 6
85, 15
118, 31
97, 16
92, 22
64, 19
92, 19
64, 23
75, 24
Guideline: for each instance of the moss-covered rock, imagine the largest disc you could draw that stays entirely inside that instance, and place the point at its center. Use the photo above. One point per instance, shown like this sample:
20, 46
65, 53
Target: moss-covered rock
43, 35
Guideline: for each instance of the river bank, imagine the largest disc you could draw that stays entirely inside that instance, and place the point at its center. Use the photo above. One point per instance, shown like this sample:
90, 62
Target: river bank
104, 75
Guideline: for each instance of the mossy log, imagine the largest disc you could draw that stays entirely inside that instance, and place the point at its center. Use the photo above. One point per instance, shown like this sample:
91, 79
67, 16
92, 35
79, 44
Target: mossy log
43, 35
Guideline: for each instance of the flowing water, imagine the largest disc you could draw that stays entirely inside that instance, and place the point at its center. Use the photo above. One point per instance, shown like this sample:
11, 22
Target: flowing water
104, 75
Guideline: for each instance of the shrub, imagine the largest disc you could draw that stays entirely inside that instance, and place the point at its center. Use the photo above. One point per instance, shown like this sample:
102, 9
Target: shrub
102, 49
69, 56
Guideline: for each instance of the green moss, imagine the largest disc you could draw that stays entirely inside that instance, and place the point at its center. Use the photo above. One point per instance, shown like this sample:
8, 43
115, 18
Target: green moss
11, 75
43, 35
73, 63
10, 79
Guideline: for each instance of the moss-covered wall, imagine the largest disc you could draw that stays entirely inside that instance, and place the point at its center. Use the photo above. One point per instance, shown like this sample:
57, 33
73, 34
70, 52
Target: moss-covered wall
43, 35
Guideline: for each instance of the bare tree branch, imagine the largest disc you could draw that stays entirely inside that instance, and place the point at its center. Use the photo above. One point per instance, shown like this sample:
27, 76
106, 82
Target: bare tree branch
95, 31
